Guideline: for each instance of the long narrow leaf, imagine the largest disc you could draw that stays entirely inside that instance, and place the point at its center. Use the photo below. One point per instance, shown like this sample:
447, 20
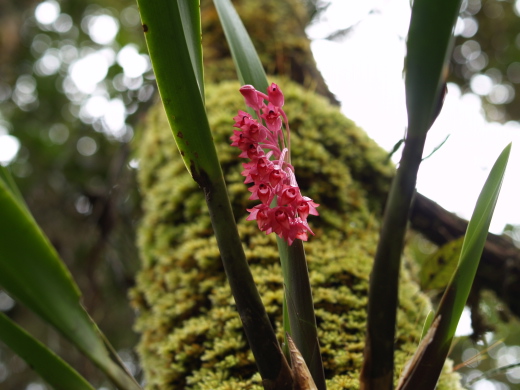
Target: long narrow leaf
427, 370
298, 302
7, 179
170, 38
189, 12
247, 62
46, 363
430, 40
31, 271
428, 48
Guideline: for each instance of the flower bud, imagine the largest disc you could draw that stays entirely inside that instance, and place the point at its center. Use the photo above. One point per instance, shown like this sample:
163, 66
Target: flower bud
253, 99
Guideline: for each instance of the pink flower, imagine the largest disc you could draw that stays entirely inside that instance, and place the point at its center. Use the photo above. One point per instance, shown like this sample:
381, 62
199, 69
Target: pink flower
289, 194
275, 95
288, 226
252, 150
262, 191
257, 170
305, 207
272, 179
282, 219
262, 213
299, 229
272, 118
255, 131
254, 98
240, 140
276, 176
239, 119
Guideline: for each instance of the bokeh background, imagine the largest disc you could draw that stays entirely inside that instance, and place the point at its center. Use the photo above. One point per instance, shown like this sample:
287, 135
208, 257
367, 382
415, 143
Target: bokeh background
75, 82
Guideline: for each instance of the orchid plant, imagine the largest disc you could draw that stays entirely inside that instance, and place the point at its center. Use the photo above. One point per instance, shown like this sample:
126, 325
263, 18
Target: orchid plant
172, 30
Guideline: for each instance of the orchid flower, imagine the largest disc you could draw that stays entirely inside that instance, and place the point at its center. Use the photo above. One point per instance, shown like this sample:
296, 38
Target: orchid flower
271, 173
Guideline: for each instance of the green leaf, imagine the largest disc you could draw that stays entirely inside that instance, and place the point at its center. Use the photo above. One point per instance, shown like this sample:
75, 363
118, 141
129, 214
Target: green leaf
247, 62
41, 359
190, 15
7, 179
474, 242
170, 39
428, 368
430, 40
31, 272
428, 50
174, 47
427, 323
286, 324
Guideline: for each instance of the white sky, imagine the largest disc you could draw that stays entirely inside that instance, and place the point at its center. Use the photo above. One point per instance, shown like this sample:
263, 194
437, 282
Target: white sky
365, 73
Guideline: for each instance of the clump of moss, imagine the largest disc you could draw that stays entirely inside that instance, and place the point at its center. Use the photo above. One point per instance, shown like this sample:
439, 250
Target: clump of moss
191, 334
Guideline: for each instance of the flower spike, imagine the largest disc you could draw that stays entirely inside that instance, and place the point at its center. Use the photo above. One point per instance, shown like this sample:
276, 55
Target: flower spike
273, 179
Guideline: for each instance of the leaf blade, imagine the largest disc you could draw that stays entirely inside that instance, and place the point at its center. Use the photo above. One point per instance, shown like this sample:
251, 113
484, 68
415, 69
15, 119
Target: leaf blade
169, 33
432, 21
300, 307
430, 39
46, 363
31, 272
245, 57
190, 16
429, 366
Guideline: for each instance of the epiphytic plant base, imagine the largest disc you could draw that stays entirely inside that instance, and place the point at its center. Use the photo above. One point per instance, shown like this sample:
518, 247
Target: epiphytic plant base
191, 335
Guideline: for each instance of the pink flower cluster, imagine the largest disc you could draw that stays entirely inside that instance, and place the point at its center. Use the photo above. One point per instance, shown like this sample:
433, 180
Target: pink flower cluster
272, 179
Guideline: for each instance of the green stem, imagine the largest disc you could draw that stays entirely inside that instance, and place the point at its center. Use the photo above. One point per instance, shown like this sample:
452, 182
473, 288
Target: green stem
378, 365
300, 307
286, 326
269, 357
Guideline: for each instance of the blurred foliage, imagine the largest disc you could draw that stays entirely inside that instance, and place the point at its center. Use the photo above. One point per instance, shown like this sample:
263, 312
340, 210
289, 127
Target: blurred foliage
73, 161
486, 57
481, 361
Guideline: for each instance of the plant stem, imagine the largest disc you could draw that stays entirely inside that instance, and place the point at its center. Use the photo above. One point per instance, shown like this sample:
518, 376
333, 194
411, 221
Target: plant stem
300, 307
378, 365
271, 362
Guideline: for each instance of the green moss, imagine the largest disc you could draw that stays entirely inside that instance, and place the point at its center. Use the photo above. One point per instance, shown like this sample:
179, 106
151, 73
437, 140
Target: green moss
191, 334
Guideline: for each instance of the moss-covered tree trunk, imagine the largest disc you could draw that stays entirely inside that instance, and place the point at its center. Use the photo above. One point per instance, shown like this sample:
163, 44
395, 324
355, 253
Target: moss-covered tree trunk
191, 333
